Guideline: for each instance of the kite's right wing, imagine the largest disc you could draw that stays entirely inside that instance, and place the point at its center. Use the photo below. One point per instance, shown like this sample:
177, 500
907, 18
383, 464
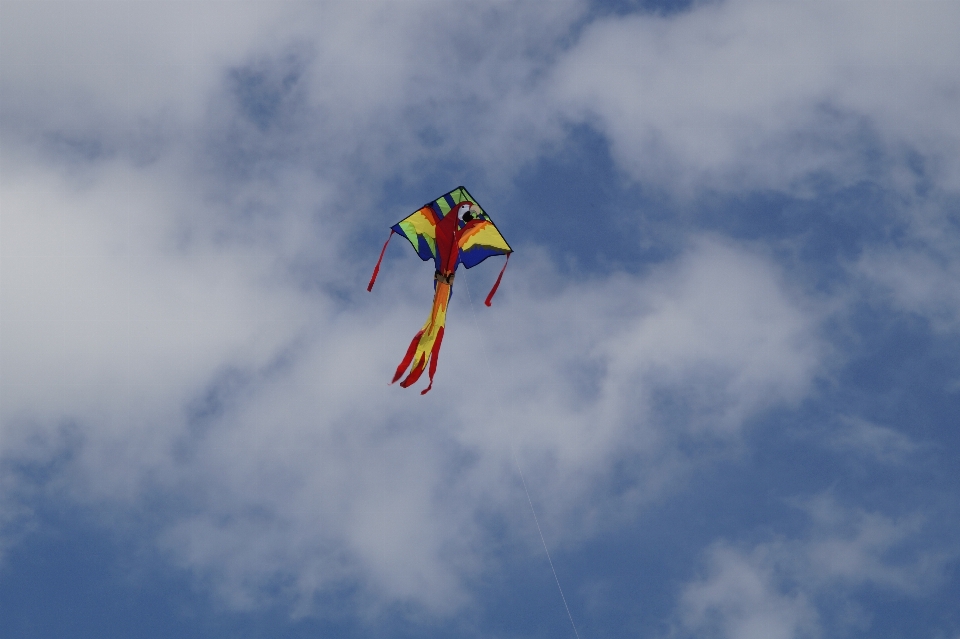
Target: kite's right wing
479, 240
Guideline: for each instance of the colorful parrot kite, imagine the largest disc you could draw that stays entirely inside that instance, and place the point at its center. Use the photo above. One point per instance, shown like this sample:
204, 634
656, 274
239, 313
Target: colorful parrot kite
451, 230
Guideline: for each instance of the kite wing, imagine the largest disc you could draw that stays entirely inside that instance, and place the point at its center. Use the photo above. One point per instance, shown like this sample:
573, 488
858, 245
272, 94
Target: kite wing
420, 228
479, 240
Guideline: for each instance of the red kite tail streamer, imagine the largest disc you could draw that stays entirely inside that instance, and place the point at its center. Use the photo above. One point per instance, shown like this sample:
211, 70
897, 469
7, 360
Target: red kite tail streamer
425, 347
496, 284
376, 269
407, 358
434, 357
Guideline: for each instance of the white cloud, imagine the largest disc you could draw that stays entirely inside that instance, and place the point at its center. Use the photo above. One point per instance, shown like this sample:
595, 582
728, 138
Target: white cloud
380, 87
131, 59
917, 270
751, 94
730, 95
922, 277
793, 588
740, 599
854, 547
876, 442
107, 319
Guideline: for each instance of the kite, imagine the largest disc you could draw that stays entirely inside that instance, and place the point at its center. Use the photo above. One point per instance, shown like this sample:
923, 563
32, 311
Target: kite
451, 230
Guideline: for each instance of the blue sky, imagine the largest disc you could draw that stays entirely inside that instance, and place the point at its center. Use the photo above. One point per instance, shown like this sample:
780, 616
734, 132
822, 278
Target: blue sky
726, 353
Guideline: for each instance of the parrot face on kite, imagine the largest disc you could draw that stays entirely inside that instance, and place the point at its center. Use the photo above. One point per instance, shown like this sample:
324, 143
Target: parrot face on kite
451, 230
471, 213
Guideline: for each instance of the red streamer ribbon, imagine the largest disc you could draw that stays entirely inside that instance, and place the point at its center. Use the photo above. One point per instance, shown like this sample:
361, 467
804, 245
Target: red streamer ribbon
497, 283
376, 269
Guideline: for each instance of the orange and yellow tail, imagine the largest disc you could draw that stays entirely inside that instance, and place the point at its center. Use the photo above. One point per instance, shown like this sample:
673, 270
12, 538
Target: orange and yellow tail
425, 346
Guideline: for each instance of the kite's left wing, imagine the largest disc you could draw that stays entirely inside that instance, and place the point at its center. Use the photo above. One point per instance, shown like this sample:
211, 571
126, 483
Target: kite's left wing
420, 228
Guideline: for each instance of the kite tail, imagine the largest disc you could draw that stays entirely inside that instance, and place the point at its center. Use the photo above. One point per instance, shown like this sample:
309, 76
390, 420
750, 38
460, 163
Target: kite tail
425, 347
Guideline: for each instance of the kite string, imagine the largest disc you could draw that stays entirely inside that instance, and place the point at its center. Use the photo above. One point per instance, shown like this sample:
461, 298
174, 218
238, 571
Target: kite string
516, 461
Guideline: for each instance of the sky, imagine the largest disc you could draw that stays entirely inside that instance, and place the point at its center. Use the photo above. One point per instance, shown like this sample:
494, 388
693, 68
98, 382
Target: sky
720, 382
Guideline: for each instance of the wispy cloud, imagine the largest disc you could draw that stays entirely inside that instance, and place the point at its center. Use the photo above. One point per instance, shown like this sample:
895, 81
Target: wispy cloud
745, 94
918, 271
807, 586
876, 442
